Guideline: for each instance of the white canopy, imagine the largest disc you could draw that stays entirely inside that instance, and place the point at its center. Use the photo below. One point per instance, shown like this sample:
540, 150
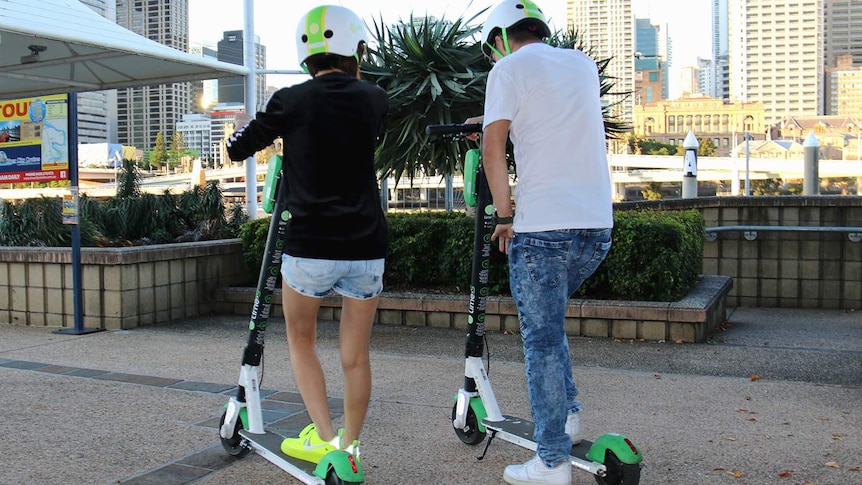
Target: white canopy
61, 46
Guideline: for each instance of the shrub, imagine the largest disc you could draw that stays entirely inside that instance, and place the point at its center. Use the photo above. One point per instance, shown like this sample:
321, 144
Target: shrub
141, 219
656, 256
253, 235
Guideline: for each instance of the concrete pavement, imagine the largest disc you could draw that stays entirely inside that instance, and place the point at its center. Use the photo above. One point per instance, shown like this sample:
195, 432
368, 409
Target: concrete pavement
774, 398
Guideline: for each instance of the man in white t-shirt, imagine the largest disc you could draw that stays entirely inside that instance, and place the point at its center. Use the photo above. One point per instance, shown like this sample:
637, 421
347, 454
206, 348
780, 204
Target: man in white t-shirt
547, 100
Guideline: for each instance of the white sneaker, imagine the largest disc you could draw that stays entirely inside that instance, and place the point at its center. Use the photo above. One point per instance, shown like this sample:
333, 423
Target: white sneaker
534, 472
573, 427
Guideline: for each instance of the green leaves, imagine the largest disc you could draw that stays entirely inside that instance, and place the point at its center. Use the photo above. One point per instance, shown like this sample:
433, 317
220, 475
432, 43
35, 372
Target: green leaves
435, 73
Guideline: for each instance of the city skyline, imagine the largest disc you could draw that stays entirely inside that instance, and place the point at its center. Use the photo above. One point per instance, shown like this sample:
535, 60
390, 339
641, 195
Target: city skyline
208, 19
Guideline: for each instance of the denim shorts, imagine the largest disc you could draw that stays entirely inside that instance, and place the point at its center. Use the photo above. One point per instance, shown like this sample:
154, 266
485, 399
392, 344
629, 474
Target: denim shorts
360, 280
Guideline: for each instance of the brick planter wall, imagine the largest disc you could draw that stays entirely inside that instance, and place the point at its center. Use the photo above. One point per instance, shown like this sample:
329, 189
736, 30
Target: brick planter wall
688, 320
793, 269
121, 287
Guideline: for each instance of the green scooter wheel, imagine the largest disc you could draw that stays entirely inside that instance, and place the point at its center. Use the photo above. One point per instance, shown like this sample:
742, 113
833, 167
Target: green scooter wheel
233, 445
619, 473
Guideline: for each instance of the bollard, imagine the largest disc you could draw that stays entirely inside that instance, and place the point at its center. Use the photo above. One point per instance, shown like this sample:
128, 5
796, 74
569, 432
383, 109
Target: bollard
689, 171
811, 178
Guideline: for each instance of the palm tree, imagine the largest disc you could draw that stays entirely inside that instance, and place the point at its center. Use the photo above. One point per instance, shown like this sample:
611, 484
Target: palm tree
435, 73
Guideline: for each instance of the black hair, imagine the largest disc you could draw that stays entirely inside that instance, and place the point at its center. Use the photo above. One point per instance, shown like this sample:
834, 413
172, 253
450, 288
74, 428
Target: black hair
322, 62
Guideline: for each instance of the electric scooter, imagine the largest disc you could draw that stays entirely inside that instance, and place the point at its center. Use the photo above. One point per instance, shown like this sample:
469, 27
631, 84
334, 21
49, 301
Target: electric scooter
241, 428
612, 458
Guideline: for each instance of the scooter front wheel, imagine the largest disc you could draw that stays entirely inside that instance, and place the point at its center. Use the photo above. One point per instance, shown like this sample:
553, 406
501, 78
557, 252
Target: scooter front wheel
619, 473
471, 434
233, 445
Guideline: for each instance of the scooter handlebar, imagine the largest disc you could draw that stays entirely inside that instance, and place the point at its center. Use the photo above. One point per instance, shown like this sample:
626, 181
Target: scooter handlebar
454, 129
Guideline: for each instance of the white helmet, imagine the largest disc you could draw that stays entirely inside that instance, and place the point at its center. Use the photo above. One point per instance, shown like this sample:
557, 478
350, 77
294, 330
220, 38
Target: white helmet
329, 29
511, 13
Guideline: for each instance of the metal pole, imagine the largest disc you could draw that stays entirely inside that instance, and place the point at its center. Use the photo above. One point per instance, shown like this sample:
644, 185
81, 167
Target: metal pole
689, 173
747, 157
811, 178
250, 105
77, 286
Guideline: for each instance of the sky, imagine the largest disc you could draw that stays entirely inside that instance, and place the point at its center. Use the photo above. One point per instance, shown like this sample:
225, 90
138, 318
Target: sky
275, 23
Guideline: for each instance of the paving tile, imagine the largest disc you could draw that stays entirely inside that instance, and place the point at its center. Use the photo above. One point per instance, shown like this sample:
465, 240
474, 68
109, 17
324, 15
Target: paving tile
86, 373
23, 364
56, 369
137, 379
202, 386
212, 458
171, 474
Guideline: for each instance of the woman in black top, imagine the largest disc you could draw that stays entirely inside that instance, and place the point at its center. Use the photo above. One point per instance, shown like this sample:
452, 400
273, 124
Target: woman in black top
336, 236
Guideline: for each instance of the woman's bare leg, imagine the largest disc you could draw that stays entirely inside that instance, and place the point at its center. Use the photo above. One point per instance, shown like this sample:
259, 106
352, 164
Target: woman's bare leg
357, 318
300, 317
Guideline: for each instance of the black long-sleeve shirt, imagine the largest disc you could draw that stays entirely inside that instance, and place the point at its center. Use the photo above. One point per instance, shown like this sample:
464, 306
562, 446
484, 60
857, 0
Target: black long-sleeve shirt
329, 126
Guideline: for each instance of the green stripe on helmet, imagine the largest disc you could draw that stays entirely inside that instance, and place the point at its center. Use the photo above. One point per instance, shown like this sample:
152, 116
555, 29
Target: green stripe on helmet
314, 29
532, 11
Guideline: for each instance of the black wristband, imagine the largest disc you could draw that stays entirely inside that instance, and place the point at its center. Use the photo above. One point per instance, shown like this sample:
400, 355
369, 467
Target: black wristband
503, 220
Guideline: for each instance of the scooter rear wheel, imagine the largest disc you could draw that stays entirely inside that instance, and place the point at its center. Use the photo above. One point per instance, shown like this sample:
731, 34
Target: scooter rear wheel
233, 445
332, 478
619, 473
471, 434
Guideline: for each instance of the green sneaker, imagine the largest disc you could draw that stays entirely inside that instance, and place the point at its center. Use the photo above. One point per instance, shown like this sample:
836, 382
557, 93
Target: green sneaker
309, 446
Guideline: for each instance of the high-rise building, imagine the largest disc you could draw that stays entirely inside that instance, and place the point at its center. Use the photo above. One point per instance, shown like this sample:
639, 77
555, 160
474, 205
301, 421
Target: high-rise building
97, 122
775, 54
844, 88
720, 87
650, 81
196, 130
221, 127
843, 32
146, 111
607, 27
705, 73
232, 89
204, 92
689, 81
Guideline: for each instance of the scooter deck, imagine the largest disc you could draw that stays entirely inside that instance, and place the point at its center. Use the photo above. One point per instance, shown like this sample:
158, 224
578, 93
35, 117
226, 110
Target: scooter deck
268, 445
522, 431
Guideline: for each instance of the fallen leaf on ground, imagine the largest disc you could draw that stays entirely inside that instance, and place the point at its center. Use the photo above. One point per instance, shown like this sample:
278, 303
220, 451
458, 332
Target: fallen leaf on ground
785, 474
837, 437
729, 438
855, 469
755, 377
679, 341
832, 464
736, 473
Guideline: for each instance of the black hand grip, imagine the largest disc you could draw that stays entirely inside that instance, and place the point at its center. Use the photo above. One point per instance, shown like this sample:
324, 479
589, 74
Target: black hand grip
454, 129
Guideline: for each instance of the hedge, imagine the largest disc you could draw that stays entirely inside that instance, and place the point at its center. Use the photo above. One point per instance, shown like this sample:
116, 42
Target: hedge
656, 255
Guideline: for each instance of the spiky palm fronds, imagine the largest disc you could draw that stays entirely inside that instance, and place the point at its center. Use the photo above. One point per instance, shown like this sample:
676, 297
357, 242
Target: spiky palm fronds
434, 73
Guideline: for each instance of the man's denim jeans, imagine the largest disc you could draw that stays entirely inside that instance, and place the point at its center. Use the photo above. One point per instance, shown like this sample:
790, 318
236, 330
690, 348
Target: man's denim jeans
545, 269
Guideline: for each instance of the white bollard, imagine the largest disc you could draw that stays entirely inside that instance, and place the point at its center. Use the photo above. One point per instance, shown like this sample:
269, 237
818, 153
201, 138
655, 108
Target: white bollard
811, 177
689, 170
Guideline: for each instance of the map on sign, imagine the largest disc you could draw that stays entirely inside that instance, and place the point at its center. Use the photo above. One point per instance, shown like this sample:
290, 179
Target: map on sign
55, 144
34, 139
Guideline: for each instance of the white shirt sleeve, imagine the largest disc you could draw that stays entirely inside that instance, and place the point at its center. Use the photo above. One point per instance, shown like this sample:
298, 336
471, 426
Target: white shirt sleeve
500, 96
